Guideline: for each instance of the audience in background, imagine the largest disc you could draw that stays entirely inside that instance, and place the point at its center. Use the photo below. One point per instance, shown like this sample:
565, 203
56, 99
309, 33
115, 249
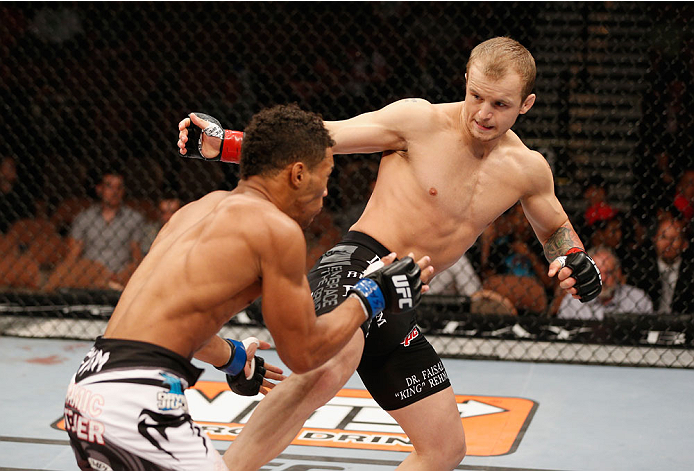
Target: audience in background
665, 270
595, 195
597, 208
16, 201
109, 232
684, 197
616, 297
460, 279
512, 263
655, 177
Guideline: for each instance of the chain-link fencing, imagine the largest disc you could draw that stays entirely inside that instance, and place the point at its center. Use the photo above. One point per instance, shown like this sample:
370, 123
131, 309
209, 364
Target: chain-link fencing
91, 94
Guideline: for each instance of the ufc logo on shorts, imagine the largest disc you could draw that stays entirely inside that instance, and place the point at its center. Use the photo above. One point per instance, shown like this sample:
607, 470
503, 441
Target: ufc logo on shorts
402, 287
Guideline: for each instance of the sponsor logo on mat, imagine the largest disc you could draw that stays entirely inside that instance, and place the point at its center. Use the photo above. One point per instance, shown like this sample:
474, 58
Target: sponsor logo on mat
352, 419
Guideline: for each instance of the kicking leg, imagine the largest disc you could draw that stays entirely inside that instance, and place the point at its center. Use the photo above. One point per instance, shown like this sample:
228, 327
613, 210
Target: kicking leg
433, 426
281, 414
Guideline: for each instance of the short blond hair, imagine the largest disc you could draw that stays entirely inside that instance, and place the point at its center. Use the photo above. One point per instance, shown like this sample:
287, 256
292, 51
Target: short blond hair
495, 56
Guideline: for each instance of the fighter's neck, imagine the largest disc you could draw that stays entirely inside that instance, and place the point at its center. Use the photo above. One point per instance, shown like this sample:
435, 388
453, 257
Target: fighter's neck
268, 189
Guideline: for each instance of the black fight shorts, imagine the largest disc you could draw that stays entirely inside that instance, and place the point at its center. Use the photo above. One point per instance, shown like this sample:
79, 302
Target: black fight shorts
399, 367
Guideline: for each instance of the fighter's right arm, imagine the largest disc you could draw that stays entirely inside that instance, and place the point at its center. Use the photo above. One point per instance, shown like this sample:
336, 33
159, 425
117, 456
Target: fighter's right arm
381, 130
386, 129
303, 341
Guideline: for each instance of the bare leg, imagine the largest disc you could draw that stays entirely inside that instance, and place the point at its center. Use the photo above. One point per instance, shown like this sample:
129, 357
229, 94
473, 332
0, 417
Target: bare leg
281, 414
434, 427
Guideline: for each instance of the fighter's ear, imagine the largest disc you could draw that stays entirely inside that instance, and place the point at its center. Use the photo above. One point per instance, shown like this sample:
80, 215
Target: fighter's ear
528, 103
297, 174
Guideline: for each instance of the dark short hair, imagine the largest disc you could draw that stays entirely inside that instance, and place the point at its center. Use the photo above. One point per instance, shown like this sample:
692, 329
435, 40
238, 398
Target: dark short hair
282, 135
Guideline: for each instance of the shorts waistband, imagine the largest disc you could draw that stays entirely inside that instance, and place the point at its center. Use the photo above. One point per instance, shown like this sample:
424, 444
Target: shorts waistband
133, 353
359, 238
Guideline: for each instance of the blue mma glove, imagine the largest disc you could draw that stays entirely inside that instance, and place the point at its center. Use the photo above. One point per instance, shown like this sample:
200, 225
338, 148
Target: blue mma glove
237, 381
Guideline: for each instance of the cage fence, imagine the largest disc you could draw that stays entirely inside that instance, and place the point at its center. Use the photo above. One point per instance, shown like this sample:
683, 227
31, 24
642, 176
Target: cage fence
91, 94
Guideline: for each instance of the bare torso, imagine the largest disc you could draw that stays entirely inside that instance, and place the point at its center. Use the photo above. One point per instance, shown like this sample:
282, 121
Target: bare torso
194, 279
436, 197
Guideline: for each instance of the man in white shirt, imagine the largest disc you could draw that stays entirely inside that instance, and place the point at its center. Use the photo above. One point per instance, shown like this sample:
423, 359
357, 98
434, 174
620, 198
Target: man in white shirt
616, 295
460, 279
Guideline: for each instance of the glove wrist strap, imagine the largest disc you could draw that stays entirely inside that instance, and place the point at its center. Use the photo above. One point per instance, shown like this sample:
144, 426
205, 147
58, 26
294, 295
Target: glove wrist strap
231, 146
370, 294
237, 360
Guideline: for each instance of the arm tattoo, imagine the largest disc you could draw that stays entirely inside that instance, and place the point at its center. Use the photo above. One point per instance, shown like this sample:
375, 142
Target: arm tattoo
561, 241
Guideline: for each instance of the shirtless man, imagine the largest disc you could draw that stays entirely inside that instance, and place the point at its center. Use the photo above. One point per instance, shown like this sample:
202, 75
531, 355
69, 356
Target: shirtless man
447, 171
125, 408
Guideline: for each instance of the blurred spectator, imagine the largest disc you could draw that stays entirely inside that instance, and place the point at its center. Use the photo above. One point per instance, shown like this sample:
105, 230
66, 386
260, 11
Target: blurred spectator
166, 208
509, 248
598, 209
16, 201
684, 198
595, 195
607, 233
655, 180
512, 263
616, 296
666, 272
460, 279
109, 232
624, 235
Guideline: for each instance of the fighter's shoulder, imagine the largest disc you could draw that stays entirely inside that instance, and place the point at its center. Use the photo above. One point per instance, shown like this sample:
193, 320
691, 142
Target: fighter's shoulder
259, 216
422, 115
417, 109
523, 155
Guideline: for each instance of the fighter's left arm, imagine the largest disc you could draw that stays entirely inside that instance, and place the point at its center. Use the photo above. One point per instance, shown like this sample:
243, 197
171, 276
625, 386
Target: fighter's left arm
577, 273
222, 354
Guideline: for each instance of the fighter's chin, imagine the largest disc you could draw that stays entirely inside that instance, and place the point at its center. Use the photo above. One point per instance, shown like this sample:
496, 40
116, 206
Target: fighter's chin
307, 222
482, 133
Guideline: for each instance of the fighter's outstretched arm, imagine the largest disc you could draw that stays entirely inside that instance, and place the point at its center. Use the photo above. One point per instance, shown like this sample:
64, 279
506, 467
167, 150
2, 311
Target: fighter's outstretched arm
375, 131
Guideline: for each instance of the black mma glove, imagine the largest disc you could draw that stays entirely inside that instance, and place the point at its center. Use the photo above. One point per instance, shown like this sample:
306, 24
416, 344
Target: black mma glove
248, 387
236, 379
585, 272
230, 150
396, 288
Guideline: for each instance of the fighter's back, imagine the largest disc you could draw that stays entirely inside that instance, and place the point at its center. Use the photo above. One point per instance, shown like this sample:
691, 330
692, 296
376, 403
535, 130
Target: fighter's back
202, 268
